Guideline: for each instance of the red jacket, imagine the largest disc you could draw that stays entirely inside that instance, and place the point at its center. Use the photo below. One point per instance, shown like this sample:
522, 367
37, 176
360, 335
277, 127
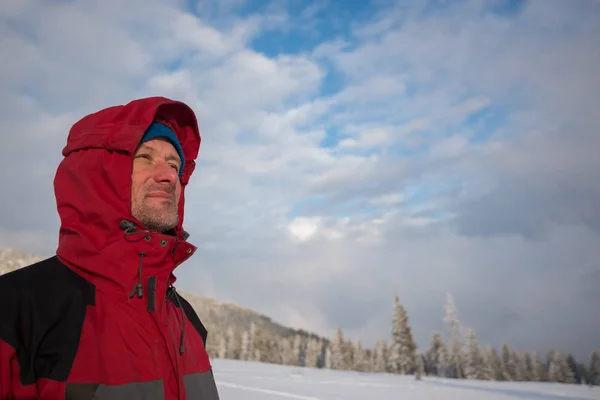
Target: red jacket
101, 320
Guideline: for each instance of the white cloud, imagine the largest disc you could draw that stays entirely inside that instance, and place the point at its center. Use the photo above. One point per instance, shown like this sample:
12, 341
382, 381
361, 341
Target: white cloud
372, 138
409, 82
302, 228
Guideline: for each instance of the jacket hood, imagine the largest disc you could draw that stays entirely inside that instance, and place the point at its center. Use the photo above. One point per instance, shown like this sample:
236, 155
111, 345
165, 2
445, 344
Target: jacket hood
98, 234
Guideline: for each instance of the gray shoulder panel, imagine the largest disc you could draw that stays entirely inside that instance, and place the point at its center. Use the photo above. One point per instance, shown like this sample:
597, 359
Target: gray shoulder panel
201, 386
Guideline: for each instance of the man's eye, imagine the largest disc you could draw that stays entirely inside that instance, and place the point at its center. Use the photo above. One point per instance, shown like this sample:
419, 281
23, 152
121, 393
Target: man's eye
175, 167
146, 156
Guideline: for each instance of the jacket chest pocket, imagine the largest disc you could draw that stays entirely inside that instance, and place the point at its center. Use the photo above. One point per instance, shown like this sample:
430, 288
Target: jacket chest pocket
152, 390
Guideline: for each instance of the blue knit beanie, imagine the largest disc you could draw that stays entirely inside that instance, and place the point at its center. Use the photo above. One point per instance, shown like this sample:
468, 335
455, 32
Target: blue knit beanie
157, 130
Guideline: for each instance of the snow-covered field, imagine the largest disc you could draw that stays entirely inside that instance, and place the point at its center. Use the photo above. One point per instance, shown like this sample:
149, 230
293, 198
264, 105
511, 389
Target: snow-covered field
239, 380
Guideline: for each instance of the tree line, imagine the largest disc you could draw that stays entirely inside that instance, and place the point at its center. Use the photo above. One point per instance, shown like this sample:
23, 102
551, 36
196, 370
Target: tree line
455, 353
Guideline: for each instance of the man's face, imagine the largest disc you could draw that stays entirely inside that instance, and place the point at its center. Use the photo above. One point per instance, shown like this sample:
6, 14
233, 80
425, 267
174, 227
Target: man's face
155, 185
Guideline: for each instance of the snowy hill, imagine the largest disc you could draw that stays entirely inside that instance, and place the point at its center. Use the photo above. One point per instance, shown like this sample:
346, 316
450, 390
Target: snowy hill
249, 380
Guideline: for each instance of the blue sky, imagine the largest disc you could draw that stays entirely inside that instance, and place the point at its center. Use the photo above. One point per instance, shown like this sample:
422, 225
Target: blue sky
351, 151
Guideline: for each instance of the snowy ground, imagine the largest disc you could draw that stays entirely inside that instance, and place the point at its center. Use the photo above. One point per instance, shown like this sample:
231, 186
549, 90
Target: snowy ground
239, 380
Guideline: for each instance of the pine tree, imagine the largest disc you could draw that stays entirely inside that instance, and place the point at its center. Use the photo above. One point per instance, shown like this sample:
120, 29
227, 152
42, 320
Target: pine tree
528, 368
244, 346
495, 362
518, 365
572, 367
403, 348
273, 350
313, 351
552, 366
456, 337
583, 373
558, 369
232, 345
594, 369
213, 347
566, 372
508, 367
487, 368
337, 350
266, 346
297, 350
348, 350
537, 370
379, 356
437, 356
222, 347
288, 357
473, 359
419, 367
328, 357
360, 358
252, 337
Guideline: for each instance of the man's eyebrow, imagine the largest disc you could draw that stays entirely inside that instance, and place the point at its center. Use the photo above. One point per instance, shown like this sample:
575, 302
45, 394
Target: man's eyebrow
170, 157
173, 157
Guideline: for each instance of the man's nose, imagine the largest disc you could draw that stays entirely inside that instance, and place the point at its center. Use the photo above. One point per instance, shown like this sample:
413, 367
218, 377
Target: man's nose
163, 172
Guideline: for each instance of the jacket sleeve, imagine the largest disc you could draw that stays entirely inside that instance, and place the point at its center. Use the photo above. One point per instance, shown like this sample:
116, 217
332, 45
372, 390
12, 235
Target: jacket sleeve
26, 357
11, 387
17, 384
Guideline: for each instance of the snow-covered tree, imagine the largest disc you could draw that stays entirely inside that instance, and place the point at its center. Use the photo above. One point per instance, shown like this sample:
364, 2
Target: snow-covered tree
495, 363
288, 356
436, 356
420, 368
583, 373
402, 355
348, 350
313, 351
266, 346
222, 353
232, 344
269, 347
567, 372
537, 368
487, 372
456, 362
379, 363
528, 368
337, 350
360, 360
573, 368
328, 357
297, 350
508, 367
473, 359
251, 338
558, 370
245, 346
519, 366
593, 372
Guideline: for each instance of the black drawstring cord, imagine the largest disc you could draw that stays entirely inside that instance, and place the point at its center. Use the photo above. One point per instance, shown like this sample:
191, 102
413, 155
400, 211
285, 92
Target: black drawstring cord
182, 337
131, 229
139, 286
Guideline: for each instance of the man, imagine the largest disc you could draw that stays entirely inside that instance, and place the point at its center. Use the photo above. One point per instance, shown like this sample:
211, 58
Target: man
101, 319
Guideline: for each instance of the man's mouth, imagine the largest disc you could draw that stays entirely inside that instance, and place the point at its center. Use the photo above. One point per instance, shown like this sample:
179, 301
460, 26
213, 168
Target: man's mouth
161, 195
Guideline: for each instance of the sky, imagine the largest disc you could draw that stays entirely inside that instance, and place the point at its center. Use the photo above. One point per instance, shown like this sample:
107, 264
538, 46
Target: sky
351, 152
